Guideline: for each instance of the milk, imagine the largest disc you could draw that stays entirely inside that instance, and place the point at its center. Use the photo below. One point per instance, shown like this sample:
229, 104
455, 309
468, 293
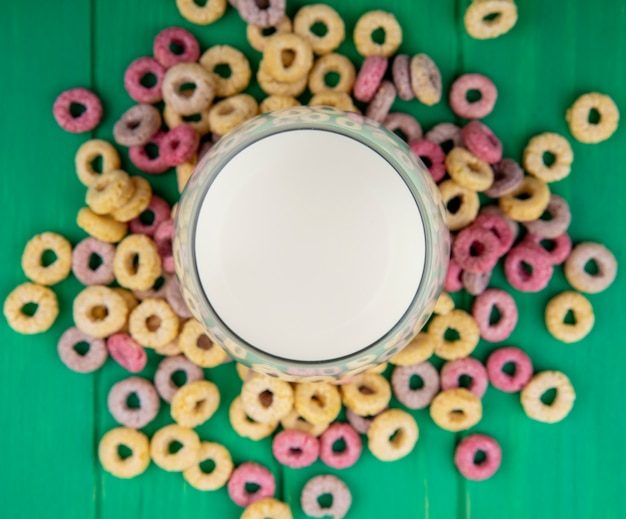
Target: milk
309, 245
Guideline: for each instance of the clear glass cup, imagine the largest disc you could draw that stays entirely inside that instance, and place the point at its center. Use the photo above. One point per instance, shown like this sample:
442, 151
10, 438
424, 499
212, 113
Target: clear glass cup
241, 286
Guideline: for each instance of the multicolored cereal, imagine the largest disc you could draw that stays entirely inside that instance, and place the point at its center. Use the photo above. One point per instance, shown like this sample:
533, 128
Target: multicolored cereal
560, 218
272, 86
482, 309
465, 456
195, 403
447, 135
218, 477
577, 117
556, 311
453, 370
319, 486
87, 120
580, 256
473, 109
456, 409
148, 158
149, 402
295, 449
499, 227
558, 147
396, 424
370, 22
102, 227
346, 457
293, 420
522, 369
184, 457
558, 249
159, 211
127, 467
229, 113
560, 406
250, 472
415, 398
454, 277
476, 283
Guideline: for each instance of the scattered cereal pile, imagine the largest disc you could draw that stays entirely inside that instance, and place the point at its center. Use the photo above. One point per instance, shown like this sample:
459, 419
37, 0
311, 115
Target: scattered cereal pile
140, 312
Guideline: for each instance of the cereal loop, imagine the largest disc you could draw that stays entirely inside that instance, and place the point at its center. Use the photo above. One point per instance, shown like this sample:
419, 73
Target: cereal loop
194, 403
218, 477
153, 323
258, 40
138, 203
272, 103
425, 79
294, 421
250, 472
130, 466
264, 14
415, 398
245, 426
319, 486
88, 118
183, 458
272, 86
522, 366
465, 327
267, 508
519, 276
158, 210
208, 13
198, 347
138, 70
180, 100
95, 357
266, 399
101, 227
556, 311
444, 304
99, 311
396, 424
33, 258
465, 454
295, 449
370, 22
560, 406
537, 198
421, 347
117, 402
346, 457
486, 19
456, 409
110, 192
237, 64
555, 145
560, 218
45, 311
579, 278
317, 402
507, 175
127, 352
367, 394
452, 371
482, 308
88, 152
467, 170
473, 109
137, 263
165, 386
229, 113
462, 204
278, 47
332, 63
310, 15
578, 118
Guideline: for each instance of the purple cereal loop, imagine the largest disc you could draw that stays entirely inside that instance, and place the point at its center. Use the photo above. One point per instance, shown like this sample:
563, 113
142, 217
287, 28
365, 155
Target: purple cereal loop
138, 155
507, 175
127, 352
401, 73
561, 246
135, 73
558, 209
519, 277
168, 366
179, 36
404, 122
326, 484
345, 458
174, 297
161, 211
90, 361
180, 144
466, 451
415, 398
476, 249
361, 424
84, 122
432, 155
482, 142
369, 78
522, 373
81, 256
453, 370
137, 125
498, 226
250, 472
149, 402
475, 284
481, 311
381, 103
453, 281
269, 16
163, 236
443, 132
473, 110
295, 449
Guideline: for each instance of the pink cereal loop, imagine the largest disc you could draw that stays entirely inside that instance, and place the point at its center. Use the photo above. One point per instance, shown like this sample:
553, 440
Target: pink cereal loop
432, 155
139, 156
476, 249
521, 375
136, 72
127, 352
478, 109
161, 211
453, 282
499, 228
250, 472
369, 78
519, 277
352, 452
466, 451
81, 255
481, 311
179, 145
295, 449
561, 246
163, 236
175, 36
482, 142
454, 369
87, 120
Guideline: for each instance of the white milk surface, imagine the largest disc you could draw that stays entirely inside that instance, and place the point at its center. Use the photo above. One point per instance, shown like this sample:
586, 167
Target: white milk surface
309, 245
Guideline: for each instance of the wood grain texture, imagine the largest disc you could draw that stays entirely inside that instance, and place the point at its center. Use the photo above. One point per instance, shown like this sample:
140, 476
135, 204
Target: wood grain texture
53, 419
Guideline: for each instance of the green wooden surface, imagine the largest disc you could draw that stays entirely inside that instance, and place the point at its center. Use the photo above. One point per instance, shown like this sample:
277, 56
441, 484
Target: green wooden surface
52, 418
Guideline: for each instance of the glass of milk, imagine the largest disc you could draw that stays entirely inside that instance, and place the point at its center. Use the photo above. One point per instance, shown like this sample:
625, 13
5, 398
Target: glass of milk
311, 243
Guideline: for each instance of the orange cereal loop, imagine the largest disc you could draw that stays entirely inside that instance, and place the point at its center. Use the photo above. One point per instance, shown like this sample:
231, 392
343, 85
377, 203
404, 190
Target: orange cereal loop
265, 398
137, 264
335, 99
229, 113
153, 323
558, 147
137, 203
556, 311
579, 114
218, 477
366, 394
131, 466
272, 86
272, 103
418, 350
332, 63
308, 16
527, 201
486, 19
93, 151
467, 170
205, 14
23, 321
99, 311
293, 420
195, 403
456, 409
258, 40
368, 24
33, 258
184, 171
198, 121
444, 304
462, 204
466, 328
245, 426
102, 227
238, 64
317, 402
110, 192
183, 458
288, 57
198, 347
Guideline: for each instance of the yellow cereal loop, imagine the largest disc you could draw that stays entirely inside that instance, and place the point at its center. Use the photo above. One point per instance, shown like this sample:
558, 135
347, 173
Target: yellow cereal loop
198, 121
256, 37
560, 406
456, 409
340, 65
339, 100
293, 420
366, 394
486, 19
238, 64
370, 22
183, 458
32, 258
526, 209
229, 113
99, 311
317, 402
198, 347
184, 171
465, 326
91, 151
266, 399
272, 103
418, 350
578, 118
102, 227
310, 15
218, 477
267, 508
392, 435
137, 264
137, 203
462, 204
444, 304
153, 323
288, 57
272, 86
45, 312
554, 144
110, 192
131, 466
242, 371
467, 170
558, 308
245, 426
194, 403
205, 14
